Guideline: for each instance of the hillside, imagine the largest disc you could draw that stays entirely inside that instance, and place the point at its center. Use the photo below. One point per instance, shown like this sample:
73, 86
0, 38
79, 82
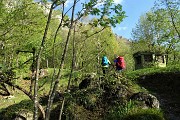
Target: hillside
166, 87
109, 98
164, 84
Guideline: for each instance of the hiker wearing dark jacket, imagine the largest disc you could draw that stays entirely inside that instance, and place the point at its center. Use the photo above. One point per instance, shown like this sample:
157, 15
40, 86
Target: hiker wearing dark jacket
105, 64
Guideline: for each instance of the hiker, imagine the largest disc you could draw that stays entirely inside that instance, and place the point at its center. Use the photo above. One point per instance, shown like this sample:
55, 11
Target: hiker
105, 64
120, 63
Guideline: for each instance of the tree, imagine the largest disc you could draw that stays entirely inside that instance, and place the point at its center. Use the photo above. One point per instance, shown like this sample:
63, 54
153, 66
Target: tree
171, 22
144, 33
162, 26
88, 9
23, 24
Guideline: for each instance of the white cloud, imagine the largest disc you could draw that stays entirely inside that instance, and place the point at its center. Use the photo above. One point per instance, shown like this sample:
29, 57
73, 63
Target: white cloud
99, 3
68, 3
115, 1
118, 1
122, 28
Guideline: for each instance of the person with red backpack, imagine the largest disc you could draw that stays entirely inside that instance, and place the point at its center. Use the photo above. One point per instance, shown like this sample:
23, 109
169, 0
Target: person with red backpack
120, 63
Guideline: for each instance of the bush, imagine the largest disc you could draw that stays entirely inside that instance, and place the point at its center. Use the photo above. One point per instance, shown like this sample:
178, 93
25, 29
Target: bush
130, 111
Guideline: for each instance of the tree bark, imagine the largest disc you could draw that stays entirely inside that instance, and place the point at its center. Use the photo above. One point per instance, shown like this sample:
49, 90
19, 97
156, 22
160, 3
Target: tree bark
36, 102
61, 64
70, 77
48, 108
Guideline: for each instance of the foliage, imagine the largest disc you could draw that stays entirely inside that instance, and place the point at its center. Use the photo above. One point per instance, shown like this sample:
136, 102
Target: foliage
130, 111
21, 27
158, 31
89, 98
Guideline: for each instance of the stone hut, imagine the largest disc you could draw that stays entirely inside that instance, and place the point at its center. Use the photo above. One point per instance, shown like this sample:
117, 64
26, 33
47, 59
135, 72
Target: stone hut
149, 59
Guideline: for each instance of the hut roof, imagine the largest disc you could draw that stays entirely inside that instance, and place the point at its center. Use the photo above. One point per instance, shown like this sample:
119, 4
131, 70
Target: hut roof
147, 53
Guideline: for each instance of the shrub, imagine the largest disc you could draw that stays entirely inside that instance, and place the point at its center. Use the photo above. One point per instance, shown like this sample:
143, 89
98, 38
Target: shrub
130, 111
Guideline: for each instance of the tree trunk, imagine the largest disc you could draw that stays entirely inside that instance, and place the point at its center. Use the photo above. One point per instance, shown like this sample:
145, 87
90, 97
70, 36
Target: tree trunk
70, 77
61, 64
35, 115
48, 108
32, 70
47, 63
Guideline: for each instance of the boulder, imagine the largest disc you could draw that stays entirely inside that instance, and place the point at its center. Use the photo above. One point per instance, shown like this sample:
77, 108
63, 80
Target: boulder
147, 100
87, 81
23, 115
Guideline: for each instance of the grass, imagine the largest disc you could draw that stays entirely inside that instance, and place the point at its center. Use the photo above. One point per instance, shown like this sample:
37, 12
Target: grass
130, 111
126, 112
8, 112
20, 101
164, 82
18, 97
149, 71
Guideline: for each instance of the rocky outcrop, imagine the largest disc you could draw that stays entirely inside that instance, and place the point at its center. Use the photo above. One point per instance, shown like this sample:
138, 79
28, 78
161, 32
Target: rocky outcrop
146, 100
87, 81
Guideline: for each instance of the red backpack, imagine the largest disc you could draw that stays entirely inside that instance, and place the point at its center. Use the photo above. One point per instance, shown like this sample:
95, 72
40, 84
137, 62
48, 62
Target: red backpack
121, 62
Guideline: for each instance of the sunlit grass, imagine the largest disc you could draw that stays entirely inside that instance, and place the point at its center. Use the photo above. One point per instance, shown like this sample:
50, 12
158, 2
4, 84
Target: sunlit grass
15, 99
147, 71
132, 112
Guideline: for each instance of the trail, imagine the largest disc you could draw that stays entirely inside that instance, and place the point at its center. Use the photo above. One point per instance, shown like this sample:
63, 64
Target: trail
166, 87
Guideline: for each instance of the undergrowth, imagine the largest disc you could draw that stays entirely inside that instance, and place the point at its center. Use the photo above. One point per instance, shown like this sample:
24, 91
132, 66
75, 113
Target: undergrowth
9, 112
130, 111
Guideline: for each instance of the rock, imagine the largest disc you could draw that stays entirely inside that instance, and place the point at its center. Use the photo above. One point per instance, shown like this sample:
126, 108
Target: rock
23, 115
9, 97
148, 100
43, 73
87, 81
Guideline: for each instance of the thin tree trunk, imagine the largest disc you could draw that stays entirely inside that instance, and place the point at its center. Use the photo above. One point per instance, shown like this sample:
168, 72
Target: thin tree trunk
32, 71
98, 61
70, 77
36, 101
62, 63
47, 63
48, 108
73, 60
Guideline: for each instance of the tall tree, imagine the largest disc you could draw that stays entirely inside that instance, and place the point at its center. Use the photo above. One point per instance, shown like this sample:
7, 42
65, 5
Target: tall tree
88, 8
22, 24
162, 24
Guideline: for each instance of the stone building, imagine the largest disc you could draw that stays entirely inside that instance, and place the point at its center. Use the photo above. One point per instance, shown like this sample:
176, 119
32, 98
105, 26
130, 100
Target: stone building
149, 59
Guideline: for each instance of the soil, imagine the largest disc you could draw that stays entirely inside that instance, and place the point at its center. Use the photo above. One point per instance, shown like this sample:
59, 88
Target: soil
166, 87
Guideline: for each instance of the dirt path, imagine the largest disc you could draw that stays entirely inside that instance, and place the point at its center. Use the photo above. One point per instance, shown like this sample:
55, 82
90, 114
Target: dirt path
166, 86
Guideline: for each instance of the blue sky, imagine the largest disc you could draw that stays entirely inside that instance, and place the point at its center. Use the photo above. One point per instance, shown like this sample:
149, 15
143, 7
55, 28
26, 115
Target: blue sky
134, 9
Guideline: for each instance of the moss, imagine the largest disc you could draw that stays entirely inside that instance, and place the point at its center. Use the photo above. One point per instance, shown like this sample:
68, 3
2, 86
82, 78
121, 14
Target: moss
9, 112
132, 112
